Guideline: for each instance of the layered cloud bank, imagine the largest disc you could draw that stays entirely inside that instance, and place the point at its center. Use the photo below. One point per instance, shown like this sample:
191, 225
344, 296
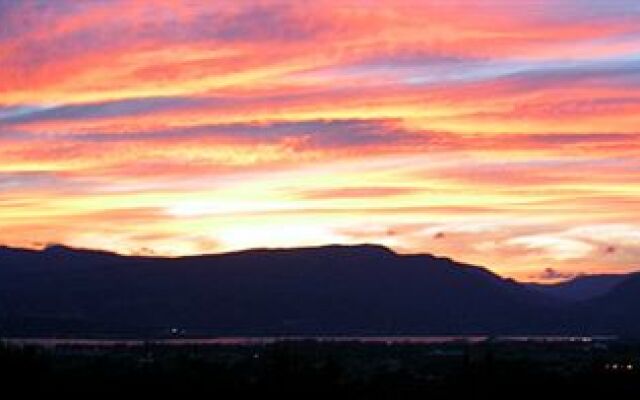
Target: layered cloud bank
492, 132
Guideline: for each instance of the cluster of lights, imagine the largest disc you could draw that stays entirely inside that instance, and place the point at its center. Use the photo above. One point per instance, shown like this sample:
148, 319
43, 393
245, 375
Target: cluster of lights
619, 367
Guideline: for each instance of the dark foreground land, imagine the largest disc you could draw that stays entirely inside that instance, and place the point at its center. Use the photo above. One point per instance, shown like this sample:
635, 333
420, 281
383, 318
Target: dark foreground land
322, 370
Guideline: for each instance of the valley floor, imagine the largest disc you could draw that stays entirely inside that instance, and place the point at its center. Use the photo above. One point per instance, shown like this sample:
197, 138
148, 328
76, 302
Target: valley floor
313, 369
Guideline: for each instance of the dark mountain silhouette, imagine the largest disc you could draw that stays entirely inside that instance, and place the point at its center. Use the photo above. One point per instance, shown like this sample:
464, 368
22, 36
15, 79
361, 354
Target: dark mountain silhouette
580, 288
618, 308
362, 289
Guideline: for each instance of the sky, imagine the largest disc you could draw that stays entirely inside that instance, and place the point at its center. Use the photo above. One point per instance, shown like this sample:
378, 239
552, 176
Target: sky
499, 133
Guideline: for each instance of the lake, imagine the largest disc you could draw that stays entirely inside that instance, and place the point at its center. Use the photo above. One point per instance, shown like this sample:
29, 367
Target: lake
258, 341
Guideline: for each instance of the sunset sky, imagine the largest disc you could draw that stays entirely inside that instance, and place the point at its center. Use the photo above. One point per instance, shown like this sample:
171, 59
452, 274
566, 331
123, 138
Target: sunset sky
500, 133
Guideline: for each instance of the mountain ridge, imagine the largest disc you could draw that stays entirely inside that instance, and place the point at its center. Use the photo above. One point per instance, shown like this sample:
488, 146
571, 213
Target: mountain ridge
581, 287
333, 289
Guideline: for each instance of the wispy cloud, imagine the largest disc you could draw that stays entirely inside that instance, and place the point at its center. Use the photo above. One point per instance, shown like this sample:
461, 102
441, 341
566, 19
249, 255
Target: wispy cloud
492, 132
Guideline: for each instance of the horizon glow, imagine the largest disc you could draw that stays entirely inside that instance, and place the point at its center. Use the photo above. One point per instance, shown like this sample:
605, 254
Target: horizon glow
500, 134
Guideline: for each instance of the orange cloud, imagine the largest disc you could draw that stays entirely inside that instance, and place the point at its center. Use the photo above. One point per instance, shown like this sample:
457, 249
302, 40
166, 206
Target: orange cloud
492, 133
